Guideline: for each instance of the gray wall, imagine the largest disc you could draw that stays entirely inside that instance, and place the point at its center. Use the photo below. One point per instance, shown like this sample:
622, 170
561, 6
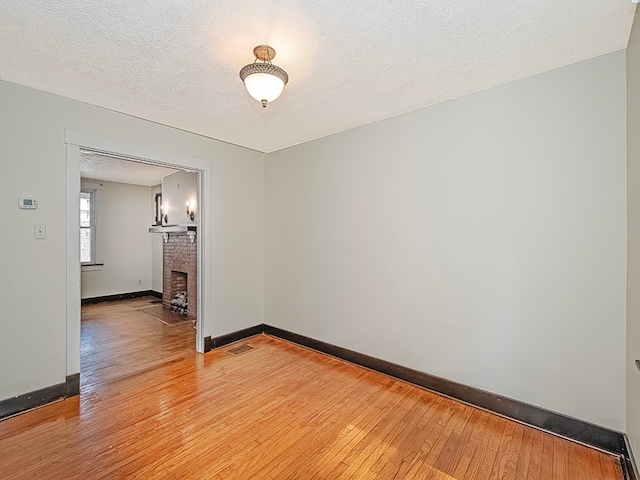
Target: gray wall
32, 148
633, 273
482, 240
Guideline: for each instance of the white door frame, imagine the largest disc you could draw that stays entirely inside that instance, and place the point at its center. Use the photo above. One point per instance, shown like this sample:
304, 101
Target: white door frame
75, 141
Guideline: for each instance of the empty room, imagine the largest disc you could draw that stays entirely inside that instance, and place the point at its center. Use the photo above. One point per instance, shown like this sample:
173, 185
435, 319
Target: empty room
392, 240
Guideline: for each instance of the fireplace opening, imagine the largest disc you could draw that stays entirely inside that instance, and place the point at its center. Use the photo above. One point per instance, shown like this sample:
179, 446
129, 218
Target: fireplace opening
178, 293
179, 303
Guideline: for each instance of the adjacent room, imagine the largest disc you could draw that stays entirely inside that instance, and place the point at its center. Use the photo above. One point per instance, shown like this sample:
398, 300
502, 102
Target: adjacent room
138, 271
320, 240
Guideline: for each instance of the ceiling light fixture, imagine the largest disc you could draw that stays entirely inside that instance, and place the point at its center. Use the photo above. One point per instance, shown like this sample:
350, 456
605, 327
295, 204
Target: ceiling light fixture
264, 81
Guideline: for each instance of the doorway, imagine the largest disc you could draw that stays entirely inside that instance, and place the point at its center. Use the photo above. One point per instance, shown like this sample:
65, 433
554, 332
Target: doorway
76, 143
133, 301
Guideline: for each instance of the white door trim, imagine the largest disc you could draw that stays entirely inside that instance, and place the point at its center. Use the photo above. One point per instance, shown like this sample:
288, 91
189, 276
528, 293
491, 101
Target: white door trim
75, 141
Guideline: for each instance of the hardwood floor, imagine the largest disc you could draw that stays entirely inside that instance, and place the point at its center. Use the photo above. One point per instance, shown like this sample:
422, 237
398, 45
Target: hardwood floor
128, 337
279, 411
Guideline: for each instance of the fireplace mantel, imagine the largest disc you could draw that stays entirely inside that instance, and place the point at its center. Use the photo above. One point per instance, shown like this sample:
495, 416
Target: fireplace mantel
172, 228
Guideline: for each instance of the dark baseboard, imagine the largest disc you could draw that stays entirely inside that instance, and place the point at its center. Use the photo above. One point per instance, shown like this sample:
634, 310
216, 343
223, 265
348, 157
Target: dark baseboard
629, 467
30, 400
207, 344
72, 385
222, 340
153, 293
38, 398
120, 296
552, 422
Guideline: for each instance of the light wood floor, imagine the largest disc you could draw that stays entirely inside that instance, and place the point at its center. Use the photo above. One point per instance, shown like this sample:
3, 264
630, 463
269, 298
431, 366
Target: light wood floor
278, 411
128, 337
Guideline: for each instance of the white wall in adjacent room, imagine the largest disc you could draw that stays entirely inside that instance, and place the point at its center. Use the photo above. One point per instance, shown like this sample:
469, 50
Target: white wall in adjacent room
178, 189
482, 240
123, 243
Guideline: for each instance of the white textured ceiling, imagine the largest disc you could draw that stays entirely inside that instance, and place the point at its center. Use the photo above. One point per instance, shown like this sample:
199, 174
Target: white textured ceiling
350, 62
111, 169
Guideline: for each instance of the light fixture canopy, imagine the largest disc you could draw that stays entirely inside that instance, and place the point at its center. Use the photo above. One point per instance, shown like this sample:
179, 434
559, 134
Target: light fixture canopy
264, 81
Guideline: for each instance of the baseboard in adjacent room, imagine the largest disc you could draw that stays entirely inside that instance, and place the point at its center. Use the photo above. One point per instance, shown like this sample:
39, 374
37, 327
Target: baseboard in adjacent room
120, 296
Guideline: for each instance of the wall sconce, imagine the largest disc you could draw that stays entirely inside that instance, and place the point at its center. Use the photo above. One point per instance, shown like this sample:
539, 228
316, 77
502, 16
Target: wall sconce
190, 213
164, 216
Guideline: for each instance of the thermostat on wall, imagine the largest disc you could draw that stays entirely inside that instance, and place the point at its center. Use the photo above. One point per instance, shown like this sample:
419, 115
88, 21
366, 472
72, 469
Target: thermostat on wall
29, 203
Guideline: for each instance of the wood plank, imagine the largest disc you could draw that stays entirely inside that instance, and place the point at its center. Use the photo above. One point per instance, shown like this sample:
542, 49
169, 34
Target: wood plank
523, 459
483, 459
475, 441
514, 455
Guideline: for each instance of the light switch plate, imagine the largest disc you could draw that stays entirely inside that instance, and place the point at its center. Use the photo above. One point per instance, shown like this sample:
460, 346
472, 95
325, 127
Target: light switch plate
40, 231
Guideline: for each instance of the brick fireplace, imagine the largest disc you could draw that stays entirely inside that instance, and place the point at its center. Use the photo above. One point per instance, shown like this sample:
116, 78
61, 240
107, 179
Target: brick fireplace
179, 270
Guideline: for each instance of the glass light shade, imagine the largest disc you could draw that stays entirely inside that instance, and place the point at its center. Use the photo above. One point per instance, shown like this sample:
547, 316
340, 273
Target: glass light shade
264, 81
264, 86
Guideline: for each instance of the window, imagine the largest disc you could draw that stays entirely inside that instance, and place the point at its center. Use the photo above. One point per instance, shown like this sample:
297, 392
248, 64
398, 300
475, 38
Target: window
87, 227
